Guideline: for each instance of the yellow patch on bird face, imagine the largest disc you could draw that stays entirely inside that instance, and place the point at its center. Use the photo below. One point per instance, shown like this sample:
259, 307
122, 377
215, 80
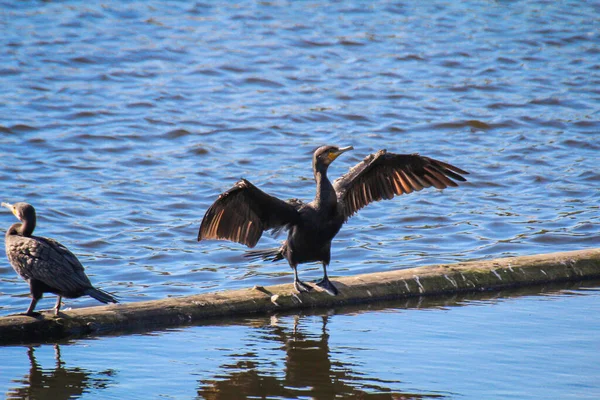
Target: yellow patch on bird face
332, 155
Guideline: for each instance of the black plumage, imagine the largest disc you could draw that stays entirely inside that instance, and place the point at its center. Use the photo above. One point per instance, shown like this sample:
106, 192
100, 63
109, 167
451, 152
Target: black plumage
47, 265
244, 212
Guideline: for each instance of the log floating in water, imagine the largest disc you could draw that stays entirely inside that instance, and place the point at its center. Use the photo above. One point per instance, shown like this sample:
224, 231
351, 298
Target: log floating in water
422, 281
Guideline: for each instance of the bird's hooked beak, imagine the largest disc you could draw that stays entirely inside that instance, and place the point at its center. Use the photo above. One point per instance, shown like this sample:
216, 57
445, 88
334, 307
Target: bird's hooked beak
12, 208
335, 154
9, 206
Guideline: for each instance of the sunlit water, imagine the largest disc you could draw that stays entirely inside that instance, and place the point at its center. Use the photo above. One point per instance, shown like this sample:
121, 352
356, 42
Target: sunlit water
121, 123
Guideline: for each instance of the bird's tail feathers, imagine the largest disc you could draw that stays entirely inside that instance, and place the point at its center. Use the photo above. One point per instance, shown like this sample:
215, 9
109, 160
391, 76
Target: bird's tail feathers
273, 254
101, 295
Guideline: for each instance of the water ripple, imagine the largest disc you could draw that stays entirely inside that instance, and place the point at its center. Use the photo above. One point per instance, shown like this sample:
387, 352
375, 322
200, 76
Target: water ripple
122, 125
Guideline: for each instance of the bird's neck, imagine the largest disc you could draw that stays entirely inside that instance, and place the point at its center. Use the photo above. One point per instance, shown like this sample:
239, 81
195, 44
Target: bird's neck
25, 229
325, 195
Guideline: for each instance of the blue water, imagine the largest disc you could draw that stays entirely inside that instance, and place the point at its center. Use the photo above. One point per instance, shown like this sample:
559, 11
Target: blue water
122, 122
509, 345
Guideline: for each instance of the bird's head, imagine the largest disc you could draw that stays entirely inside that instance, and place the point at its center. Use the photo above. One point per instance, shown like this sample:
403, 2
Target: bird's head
325, 155
23, 211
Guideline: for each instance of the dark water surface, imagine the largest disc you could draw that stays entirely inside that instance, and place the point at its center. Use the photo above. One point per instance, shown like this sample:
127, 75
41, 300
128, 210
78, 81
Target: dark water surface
122, 122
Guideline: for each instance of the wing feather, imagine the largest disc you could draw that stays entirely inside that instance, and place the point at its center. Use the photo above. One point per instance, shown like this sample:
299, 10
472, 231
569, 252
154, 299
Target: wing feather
431, 179
48, 261
244, 212
405, 183
411, 181
439, 175
383, 175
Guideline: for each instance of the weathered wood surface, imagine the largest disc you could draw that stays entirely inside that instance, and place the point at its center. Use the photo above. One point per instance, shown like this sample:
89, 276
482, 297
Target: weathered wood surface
422, 281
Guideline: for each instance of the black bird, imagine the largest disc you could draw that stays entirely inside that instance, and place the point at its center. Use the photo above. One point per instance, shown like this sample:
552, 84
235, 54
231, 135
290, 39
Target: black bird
48, 266
244, 212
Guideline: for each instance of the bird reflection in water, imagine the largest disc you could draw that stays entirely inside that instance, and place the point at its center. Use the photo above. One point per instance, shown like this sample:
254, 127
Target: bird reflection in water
59, 382
309, 371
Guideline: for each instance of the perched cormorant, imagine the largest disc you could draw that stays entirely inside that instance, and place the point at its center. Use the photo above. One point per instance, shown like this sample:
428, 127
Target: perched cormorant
48, 266
244, 212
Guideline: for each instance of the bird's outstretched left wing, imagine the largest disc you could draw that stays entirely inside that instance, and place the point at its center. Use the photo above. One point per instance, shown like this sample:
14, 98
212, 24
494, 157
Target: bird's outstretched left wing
243, 213
382, 175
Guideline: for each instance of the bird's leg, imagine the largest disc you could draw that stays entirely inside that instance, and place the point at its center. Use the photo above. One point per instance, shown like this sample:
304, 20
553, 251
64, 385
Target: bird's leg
36, 295
326, 284
30, 311
298, 284
57, 306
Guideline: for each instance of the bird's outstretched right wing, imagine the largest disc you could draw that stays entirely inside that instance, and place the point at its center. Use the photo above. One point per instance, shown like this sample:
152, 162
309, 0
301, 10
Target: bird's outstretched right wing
383, 175
244, 212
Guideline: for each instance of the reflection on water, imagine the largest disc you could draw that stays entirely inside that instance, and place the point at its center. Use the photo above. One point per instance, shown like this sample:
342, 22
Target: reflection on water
58, 382
309, 371
445, 347
311, 368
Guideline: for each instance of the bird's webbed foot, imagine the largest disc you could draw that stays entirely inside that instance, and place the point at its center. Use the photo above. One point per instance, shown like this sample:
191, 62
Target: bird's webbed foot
327, 286
301, 286
33, 314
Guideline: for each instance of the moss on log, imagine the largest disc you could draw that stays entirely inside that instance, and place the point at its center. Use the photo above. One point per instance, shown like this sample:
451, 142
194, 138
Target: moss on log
422, 281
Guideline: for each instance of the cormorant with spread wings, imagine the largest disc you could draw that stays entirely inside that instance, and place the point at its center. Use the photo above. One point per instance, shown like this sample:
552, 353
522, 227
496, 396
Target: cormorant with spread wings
244, 212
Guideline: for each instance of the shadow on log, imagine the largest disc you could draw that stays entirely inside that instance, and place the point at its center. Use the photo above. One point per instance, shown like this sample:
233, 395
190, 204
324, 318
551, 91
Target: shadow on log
415, 282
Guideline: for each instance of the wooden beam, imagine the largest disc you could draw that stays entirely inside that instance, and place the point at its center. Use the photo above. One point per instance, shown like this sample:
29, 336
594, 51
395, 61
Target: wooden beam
422, 281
